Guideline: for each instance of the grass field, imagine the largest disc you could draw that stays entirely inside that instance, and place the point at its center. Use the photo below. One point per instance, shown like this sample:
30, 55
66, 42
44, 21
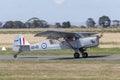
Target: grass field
77, 69
91, 51
59, 70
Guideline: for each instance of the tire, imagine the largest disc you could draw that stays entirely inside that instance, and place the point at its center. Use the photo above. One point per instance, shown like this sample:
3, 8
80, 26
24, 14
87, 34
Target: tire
76, 55
85, 55
15, 56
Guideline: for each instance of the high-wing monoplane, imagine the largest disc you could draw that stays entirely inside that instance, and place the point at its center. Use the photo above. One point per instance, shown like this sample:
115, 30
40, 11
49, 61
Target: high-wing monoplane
59, 40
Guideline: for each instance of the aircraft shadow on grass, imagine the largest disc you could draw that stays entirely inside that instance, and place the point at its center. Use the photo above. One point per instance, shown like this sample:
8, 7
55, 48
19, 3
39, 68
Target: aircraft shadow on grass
60, 58
89, 57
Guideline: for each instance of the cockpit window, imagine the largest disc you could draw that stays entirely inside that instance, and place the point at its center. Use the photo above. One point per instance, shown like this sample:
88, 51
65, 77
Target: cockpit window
54, 41
71, 38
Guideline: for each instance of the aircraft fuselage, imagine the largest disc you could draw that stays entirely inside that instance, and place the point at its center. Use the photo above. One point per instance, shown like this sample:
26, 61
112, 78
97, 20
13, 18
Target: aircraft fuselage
78, 43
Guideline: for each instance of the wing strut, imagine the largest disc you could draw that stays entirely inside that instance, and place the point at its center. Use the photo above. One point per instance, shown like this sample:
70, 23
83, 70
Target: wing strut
69, 44
76, 54
75, 49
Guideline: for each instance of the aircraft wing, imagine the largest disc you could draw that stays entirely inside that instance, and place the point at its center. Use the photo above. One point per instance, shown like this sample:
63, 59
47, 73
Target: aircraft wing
87, 34
50, 34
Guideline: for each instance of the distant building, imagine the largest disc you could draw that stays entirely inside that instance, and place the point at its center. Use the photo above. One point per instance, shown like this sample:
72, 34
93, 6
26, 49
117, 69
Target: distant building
115, 23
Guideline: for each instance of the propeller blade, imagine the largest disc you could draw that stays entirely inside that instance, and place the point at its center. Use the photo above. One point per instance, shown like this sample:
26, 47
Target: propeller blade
100, 35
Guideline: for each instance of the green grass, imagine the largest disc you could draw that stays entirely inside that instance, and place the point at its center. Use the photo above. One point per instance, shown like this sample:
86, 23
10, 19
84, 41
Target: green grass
76, 69
59, 70
91, 51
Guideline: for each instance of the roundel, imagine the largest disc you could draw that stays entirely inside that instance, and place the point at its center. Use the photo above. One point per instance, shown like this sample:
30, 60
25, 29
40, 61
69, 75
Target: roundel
44, 45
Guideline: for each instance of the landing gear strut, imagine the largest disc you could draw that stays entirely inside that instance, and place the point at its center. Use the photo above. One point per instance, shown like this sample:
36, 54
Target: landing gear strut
84, 53
20, 50
15, 56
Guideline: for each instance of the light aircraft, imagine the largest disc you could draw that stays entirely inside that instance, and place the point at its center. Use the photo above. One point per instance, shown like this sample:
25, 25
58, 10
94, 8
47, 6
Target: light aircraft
59, 40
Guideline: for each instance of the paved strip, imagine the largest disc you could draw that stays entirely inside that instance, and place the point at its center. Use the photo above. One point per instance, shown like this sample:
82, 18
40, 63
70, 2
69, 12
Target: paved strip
59, 58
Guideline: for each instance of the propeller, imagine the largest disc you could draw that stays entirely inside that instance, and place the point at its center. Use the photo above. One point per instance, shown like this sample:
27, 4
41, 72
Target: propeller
99, 35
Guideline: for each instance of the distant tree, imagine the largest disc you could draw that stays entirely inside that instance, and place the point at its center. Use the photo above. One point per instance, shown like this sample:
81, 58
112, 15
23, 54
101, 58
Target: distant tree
14, 24
8, 24
104, 21
43, 24
32, 19
1, 24
66, 24
69, 24
90, 22
116, 23
32, 22
27, 25
19, 24
36, 23
58, 25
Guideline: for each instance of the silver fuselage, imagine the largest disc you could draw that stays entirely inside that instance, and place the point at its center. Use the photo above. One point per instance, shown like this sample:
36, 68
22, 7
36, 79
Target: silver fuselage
78, 43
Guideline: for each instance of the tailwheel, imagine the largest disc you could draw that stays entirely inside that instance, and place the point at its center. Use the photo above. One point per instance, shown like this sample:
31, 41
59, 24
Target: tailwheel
76, 55
15, 56
85, 55
20, 50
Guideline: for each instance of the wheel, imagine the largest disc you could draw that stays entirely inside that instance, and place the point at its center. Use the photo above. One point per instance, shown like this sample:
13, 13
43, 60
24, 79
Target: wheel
15, 56
76, 55
85, 55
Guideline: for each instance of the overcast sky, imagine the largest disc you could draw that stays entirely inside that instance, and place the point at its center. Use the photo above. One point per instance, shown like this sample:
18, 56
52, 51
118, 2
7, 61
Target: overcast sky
58, 10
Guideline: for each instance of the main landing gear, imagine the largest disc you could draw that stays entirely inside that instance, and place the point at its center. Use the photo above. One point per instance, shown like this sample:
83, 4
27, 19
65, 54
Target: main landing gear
83, 51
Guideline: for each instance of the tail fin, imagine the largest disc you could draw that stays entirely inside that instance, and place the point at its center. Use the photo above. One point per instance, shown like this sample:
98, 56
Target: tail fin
19, 41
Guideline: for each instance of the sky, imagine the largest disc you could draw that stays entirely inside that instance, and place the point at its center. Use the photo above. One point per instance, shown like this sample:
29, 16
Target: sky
75, 11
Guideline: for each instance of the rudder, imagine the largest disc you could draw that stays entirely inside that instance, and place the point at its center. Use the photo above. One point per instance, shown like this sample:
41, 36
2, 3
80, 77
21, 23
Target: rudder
19, 42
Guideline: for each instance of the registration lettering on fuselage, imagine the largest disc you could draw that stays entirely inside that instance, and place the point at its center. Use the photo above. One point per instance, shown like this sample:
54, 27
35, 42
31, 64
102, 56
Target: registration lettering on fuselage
35, 47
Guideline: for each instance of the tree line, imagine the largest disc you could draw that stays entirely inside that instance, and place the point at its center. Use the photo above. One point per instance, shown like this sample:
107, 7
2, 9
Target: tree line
34, 22
104, 21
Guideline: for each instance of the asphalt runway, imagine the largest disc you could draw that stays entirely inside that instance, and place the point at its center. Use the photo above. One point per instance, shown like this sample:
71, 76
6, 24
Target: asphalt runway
104, 57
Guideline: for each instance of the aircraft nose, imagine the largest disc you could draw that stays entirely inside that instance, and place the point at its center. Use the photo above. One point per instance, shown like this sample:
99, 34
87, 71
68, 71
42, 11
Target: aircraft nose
99, 35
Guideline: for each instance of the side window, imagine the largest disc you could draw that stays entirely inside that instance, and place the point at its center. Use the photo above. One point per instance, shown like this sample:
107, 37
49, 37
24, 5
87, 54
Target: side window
54, 42
51, 42
72, 38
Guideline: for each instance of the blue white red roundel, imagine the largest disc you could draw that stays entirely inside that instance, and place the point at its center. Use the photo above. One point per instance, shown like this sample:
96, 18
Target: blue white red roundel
44, 45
